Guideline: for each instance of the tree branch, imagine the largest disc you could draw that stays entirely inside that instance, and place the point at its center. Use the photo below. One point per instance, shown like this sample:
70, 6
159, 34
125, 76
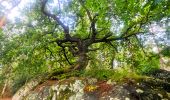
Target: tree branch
87, 11
92, 21
51, 53
140, 44
56, 18
63, 48
93, 28
107, 39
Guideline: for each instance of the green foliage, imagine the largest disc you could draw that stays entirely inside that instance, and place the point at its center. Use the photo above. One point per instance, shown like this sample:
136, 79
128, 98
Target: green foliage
125, 73
166, 52
2, 79
117, 75
148, 66
101, 74
18, 82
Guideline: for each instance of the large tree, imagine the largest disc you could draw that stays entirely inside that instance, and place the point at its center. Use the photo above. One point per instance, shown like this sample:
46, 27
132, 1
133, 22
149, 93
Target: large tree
94, 20
71, 29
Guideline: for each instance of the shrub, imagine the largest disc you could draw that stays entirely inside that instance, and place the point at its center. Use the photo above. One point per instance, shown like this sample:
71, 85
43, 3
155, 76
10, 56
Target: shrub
101, 74
148, 66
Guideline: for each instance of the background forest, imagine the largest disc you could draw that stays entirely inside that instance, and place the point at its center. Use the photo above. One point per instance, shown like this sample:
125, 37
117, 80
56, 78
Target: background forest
107, 39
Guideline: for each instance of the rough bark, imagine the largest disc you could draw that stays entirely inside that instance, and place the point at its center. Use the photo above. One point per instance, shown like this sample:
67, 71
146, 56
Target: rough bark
81, 62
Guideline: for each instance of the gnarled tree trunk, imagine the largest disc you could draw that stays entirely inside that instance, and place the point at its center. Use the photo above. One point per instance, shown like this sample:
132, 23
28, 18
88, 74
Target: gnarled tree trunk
81, 62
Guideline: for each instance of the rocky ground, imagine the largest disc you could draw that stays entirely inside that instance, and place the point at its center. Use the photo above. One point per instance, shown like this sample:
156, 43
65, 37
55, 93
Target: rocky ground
155, 86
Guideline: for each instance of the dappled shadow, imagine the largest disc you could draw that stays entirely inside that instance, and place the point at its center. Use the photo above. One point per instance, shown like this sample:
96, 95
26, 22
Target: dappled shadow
161, 74
155, 87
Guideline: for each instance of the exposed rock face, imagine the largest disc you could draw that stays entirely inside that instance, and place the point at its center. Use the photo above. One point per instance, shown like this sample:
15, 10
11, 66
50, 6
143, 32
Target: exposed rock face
93, 89
25, 90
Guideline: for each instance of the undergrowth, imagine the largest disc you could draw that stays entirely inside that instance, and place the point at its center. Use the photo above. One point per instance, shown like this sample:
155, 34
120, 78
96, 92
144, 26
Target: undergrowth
106, 74
116, 75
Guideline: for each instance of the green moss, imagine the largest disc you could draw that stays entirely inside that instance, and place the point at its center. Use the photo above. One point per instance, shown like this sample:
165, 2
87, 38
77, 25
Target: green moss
66, 75
101, 74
